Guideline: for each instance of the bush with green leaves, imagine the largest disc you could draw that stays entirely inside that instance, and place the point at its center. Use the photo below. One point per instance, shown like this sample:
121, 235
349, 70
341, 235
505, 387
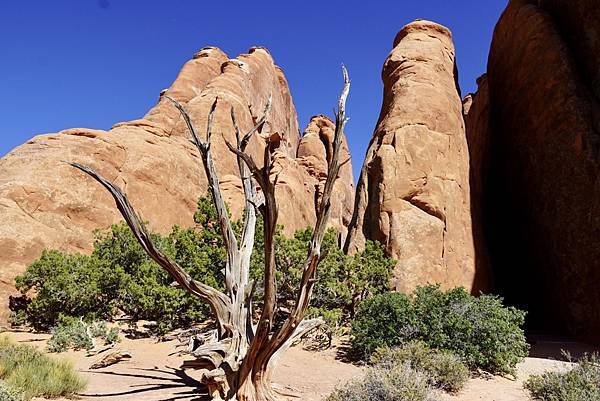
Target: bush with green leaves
480, 330
399, 383
80, 284
98, 329
581, 383
383, 320
31, 373
101, 330
342, 281
112, 336
70, 333
445, 370
119, 277
17, 318
74, 333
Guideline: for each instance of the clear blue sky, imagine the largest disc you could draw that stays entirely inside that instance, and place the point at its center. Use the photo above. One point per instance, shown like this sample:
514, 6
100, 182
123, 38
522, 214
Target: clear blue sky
91, 63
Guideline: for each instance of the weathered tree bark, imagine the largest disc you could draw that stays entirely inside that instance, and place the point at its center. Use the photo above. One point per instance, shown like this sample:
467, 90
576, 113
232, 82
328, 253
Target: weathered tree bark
239, 358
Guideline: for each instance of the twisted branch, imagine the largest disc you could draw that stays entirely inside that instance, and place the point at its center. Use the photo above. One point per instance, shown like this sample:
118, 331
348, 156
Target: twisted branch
218, 302
314, 250
212, 176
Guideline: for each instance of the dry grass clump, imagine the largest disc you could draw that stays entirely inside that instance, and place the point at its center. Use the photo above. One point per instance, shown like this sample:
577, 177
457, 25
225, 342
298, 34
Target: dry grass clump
402, 383
444, 370
29, 372
582, 383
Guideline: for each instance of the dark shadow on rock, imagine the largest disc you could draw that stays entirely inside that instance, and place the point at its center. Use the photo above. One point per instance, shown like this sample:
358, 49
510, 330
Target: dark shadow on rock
478, 133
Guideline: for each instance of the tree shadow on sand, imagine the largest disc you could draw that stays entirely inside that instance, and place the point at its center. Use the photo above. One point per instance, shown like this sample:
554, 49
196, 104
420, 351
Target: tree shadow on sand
191, 389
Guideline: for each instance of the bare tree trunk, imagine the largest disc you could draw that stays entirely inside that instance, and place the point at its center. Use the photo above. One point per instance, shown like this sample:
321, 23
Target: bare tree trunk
239, 359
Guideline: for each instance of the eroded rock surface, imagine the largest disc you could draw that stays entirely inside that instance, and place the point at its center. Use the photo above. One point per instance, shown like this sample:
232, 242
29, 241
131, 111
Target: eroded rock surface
47, 204
413, 192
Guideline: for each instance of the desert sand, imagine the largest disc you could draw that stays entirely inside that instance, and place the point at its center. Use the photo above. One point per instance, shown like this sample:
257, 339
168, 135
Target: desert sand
154, 374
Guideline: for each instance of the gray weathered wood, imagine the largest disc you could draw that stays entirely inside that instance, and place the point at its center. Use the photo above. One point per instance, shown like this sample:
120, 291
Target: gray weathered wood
239, 357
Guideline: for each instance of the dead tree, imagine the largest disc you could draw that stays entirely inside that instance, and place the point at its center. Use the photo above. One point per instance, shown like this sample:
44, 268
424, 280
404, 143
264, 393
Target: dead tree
238, 361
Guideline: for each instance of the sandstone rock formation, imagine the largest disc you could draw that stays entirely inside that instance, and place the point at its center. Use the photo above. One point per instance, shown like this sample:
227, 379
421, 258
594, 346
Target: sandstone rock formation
46, 204
542, 193
413, 192
301, 180
523, 197
577, 23
477, 125
314, 154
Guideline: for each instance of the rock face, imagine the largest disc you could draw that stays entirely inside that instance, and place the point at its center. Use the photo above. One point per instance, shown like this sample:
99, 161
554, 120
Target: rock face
577, 23
413, 192
314, 155
542, 193
477, 124
46, 204
301, 180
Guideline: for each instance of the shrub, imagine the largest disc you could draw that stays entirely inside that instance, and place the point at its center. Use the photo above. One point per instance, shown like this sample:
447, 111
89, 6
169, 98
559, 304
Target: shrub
8, 394
342, 281
119, 276
82, 285
101, 330
112, 336
368, 273
73, 333
98, 329
31, 373
383, 320
480, 330
17, 318
402, 383
146, 291
581, 383
445, 370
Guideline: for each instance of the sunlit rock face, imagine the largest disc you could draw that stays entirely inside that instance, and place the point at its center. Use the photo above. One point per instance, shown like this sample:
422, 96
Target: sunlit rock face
413, 193
46, 204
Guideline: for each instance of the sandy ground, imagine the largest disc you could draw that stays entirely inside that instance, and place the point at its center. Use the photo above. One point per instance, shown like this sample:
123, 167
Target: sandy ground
153, 373
504, 389
545, 354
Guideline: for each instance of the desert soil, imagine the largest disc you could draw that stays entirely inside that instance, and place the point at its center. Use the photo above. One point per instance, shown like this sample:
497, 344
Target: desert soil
153, 373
